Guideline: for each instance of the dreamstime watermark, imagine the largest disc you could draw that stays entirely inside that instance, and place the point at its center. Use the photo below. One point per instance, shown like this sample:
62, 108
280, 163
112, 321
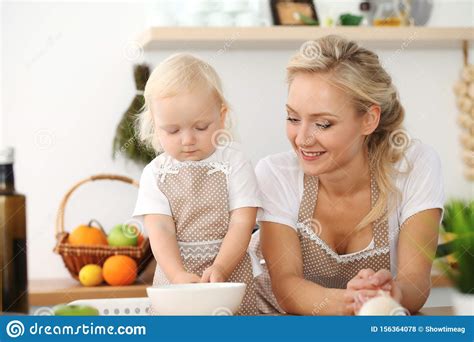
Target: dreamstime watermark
317, 308
399, 139
310, 50
222, 138
315, 226
16, 329
133, 51
132, 228
44, 311
44, 139
222, 311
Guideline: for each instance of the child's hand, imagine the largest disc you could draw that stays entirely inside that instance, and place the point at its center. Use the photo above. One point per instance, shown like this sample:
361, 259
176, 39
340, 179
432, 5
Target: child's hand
185, 278
213, 274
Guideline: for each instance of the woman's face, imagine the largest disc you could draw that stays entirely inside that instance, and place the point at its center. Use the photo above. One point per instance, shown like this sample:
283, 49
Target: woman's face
322, 124
187, 123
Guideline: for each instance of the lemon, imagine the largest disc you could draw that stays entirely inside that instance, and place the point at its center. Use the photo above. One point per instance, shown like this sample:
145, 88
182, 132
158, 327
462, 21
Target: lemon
91, 275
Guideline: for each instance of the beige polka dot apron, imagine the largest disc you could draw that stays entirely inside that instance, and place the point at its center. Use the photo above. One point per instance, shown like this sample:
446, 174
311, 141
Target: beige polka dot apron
199, 200
321, 264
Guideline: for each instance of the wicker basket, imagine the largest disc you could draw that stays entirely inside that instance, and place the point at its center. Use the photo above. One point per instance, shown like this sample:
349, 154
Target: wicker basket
75, 257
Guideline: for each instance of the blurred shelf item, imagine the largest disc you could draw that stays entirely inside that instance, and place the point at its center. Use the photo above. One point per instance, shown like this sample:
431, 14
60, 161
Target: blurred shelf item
282, 37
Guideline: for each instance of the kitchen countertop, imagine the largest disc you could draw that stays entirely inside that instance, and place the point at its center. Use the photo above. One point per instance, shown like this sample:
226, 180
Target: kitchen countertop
49, 292
46, 292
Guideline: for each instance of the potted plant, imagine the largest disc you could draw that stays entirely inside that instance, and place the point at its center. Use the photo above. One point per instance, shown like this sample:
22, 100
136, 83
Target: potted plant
456, 255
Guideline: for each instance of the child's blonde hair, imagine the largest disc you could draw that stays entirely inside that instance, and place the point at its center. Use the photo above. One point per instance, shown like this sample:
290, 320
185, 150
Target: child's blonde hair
178, 73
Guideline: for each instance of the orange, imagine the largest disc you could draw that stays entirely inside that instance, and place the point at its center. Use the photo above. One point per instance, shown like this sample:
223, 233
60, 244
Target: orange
87, 235
119, 270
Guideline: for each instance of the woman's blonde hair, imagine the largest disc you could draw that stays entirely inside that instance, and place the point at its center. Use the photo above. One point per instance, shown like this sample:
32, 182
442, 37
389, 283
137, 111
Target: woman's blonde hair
177, 74
358, 72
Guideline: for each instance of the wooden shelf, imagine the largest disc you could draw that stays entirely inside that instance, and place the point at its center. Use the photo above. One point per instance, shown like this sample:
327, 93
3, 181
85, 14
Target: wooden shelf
291, 37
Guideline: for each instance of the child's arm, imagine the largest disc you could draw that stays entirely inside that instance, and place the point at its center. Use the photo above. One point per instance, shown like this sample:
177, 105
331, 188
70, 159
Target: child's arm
162, 233
234, 246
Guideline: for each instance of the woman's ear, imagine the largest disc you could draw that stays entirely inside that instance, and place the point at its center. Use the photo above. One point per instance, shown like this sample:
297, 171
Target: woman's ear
371, 120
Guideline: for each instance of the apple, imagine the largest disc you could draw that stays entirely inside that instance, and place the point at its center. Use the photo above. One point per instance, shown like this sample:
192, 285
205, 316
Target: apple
75, 310
123, 235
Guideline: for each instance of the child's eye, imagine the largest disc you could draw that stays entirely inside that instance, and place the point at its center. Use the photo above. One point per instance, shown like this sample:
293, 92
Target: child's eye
292, 120
173, 132
202, 128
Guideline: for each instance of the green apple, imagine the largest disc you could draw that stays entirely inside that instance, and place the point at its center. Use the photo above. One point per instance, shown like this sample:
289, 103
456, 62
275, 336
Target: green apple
122, 235
75, 310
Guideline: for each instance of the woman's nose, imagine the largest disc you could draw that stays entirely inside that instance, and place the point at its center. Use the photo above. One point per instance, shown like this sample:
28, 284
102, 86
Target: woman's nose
306, 135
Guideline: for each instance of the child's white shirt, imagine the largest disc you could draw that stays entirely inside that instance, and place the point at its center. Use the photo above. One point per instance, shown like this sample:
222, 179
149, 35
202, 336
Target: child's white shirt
242, 184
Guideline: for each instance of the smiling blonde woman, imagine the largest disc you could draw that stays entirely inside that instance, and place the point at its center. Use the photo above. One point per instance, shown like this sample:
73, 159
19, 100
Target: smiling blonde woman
355, 207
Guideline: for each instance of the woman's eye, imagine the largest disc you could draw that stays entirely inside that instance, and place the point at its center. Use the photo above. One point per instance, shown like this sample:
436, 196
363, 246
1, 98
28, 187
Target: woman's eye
173, 132
323, 125
292, 120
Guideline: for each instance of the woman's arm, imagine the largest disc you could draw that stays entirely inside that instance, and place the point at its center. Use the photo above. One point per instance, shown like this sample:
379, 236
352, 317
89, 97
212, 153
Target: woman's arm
416, 250
234, 246
417, 245
296, 295
162, 233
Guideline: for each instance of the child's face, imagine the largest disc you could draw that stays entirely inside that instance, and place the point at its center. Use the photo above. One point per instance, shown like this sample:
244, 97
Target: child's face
185, 123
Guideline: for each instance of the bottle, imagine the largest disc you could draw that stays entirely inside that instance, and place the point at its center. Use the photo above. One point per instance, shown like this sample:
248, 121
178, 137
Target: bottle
367, 12
13, 268
387, 14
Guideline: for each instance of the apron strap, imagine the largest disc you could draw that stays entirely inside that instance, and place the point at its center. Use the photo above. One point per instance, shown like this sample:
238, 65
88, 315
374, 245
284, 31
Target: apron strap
308, 202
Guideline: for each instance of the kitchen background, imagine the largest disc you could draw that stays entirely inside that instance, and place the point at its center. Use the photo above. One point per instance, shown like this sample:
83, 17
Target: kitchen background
67, 78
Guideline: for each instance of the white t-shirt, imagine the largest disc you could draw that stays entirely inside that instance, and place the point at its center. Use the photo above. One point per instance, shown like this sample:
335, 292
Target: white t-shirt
241, 183
280, 180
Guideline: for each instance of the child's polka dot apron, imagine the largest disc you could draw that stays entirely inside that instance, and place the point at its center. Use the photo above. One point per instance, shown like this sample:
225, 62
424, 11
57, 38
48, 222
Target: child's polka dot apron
320, 263
199, 200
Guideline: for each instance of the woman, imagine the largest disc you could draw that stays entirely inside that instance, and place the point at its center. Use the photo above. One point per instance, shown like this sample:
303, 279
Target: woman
355, 207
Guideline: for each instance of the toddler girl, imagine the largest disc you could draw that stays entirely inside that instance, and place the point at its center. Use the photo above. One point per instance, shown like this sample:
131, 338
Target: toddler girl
198, 198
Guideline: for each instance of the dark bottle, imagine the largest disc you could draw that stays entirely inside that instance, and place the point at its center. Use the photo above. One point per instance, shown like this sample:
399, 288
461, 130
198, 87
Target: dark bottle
13, 271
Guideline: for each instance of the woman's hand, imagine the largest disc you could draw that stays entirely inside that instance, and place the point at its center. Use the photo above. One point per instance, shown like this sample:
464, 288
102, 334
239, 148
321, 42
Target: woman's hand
185, 278
213, 274
367, 284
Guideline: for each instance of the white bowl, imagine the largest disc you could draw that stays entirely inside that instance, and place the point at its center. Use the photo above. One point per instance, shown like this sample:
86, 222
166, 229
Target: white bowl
217, 299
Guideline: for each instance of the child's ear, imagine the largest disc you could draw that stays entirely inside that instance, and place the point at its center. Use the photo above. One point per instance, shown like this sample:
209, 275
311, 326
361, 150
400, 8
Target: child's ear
223, 114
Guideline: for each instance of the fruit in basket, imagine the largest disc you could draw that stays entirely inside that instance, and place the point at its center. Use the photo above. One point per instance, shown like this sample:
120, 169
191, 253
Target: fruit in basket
140, 237
91, 275
123, 235
75, 310
88, 235
119, 270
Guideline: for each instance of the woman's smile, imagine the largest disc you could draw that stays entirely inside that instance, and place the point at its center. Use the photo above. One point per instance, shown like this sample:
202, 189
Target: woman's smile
311, 155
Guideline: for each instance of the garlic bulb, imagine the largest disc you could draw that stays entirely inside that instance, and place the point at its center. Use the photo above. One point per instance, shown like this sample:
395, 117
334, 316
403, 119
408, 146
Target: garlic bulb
469, 173
464, 91
382, 305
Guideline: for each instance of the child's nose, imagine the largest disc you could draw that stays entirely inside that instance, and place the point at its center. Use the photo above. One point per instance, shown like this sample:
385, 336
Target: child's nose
188, 139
